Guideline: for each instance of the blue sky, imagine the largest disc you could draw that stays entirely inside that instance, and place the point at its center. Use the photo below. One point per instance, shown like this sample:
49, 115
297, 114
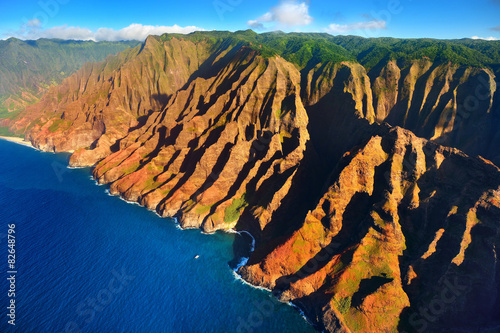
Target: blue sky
125, 19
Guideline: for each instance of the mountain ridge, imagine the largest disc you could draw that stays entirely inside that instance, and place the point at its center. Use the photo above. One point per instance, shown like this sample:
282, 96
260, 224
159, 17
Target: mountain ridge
29, 68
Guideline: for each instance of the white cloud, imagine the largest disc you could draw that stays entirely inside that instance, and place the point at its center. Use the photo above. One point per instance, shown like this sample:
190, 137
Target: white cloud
254, 24
34, 23
268, 17
289, 13
485, 38
134, 31
63, 32
345, 28
140, 32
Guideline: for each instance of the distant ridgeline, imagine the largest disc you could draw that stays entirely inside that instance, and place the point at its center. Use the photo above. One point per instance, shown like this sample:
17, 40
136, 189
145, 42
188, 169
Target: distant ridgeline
309, 49
29, 68
353, 162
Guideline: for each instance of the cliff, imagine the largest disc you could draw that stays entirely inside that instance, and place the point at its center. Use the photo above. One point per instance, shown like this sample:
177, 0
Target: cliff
340, 158
401, 220
452, 105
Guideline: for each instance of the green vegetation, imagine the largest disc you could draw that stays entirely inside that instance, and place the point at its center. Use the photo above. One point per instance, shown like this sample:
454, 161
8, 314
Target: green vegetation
284, 135
201, 210
223, 120
151, 184
299, 244
4, 131
369, 52
309, 49
33, 66
12, 105
36, 122
5, 114
233, 211
188, 205
131, 168
59, 124
343, 304
299, 48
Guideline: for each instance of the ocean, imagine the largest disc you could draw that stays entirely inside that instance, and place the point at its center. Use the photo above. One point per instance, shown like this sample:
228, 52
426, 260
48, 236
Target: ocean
86, 261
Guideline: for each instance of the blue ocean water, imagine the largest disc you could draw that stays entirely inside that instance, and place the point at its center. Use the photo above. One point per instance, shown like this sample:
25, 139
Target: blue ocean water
90, 262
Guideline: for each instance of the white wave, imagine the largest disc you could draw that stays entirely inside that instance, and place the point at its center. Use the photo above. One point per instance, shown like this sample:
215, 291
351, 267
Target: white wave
296, 307
243, 262
154, 211
177, 224
109, 193
249, 234
241, 280
207, 233
128, 201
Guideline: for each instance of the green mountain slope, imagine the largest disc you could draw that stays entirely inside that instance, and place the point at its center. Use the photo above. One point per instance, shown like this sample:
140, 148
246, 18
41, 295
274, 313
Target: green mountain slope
301, 48
29, 68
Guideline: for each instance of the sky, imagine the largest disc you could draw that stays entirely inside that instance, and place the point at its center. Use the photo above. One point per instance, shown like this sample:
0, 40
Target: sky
126, 19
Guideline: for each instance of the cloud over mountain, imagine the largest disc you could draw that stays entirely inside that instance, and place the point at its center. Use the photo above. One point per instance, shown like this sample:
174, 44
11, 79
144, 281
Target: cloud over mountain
32, 30
485, 38
367, 26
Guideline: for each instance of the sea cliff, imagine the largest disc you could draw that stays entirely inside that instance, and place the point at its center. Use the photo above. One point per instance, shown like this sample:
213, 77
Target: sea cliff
360, 178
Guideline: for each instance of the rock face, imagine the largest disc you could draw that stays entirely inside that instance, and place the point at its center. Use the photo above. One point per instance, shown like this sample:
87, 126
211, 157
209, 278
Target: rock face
450, 104
230, 139
362, 216
402, 220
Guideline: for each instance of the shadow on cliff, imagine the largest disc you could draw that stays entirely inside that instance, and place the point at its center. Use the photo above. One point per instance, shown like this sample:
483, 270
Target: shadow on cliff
335, 128
470, 307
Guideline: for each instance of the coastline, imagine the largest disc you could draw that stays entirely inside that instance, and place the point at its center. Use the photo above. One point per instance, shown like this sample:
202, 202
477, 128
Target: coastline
17, 140
122, 255
243, 260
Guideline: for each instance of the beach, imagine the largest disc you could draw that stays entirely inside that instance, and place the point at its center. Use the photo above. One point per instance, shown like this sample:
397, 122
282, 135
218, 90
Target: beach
18, 140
